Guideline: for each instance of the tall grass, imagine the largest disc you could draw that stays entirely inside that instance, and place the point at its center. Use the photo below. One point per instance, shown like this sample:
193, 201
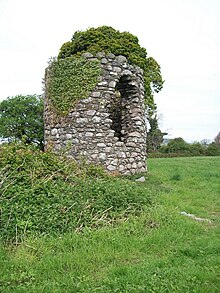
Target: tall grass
159, 250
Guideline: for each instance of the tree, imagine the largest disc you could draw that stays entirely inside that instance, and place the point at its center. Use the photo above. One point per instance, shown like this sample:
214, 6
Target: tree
213, 150
21, 118
154, 135
197, 149
217, 140
205, 142
109, 40
177, 145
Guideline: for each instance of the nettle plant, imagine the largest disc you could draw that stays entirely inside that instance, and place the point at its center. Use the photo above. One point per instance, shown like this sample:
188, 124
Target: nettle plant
70, 80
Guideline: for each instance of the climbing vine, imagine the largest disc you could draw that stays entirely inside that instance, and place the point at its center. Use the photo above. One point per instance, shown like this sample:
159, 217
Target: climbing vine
70, 80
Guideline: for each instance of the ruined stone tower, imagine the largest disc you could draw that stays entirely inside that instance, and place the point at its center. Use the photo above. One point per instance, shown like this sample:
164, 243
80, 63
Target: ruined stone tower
107, 127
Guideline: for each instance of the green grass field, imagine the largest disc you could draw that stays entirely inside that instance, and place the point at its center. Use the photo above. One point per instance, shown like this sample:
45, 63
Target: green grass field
159, 250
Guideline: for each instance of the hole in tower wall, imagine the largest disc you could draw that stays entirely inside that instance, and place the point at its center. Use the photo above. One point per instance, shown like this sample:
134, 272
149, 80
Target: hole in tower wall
119, 110
116, 114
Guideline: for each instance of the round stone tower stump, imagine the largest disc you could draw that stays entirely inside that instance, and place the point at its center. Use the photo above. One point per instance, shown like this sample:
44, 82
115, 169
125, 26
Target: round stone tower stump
108, 127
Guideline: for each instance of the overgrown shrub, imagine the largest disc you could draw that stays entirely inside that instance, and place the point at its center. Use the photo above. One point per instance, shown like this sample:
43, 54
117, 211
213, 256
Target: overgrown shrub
41, 193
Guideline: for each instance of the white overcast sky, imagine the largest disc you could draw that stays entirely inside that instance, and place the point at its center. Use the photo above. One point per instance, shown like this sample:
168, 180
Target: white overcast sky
182, 35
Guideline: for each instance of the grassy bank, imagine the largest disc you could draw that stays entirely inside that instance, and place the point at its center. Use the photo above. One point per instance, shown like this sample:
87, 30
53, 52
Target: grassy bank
157, 250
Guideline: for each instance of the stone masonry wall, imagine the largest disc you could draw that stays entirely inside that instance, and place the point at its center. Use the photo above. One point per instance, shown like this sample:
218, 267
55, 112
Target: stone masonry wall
108, 127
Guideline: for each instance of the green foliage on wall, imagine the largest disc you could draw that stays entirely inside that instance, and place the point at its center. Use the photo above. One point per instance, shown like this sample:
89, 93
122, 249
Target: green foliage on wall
109, 40
71, 79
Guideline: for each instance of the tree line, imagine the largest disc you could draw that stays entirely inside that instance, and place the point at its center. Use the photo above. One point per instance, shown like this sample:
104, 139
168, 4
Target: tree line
178, 147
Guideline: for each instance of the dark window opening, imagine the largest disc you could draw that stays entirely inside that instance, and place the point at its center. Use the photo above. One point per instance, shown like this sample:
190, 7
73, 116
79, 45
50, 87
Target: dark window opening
119, 112
116, 115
